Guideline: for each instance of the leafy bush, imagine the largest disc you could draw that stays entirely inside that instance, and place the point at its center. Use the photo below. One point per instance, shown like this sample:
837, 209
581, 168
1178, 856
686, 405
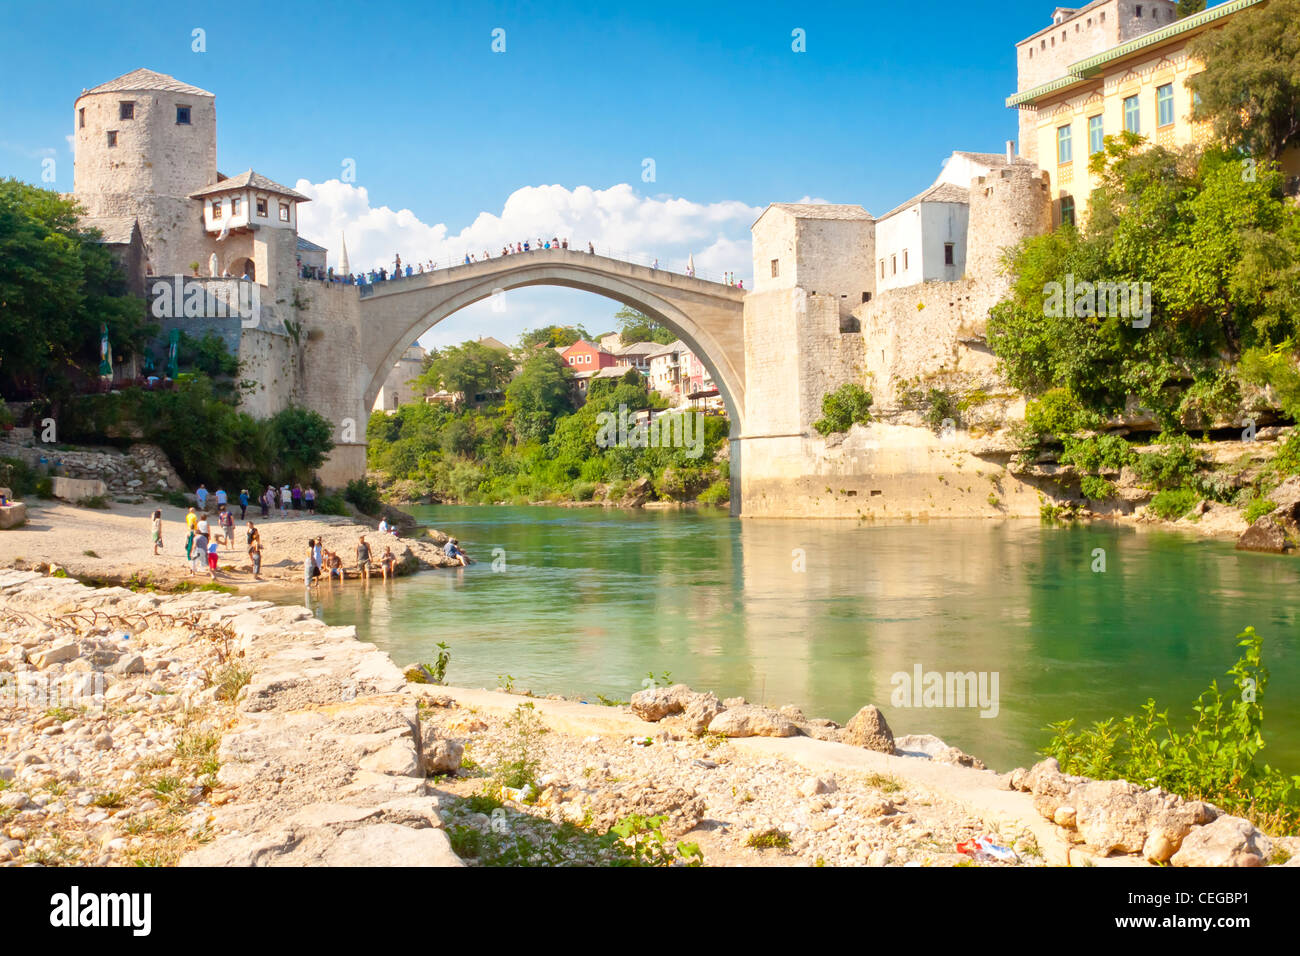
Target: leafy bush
583, 490
718, 493
364, 495
1171, 465
1056, 412
1257, 508
1096, 453
18, 476
1172, 503
332, 505
848, 405
519, 755
1095, 488
1215, 760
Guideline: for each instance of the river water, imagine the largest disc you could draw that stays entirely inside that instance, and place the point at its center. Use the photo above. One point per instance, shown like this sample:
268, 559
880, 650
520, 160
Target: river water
825, 614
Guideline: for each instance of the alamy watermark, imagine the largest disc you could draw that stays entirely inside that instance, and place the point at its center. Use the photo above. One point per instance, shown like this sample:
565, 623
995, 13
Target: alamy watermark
41, 692
182, 297
922, 688
1124, 300
668, 430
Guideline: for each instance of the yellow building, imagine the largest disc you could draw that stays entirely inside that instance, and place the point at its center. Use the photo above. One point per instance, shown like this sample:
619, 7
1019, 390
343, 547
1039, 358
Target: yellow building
1139, 84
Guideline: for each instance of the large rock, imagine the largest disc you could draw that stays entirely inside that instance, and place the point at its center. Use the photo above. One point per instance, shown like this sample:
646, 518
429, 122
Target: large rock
869, 729
438, 754
656, 703
1266, 534
1228, 841
749, 720
1287, 498
700, 712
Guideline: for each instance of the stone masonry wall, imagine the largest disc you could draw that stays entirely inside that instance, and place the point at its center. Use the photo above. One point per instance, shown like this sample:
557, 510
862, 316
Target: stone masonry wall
141, 469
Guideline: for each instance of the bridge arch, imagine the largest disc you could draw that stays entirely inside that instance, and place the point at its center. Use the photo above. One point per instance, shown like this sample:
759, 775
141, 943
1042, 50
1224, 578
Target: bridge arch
706, 316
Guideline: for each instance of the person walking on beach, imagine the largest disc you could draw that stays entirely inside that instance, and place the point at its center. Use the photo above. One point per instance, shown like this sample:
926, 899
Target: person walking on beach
221, 498
286, 496
191, 519
363, 558
227, 520
297, 496
243, 503
265, 501
189, 546
199, 559
212, 558
309, 495
157, 530
201, 493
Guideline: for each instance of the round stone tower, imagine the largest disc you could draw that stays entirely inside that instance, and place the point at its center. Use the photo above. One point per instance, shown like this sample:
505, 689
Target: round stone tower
1009, 204
144, 142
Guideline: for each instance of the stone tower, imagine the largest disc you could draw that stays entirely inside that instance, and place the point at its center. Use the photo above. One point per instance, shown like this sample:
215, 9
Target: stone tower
1009, 204
143, 143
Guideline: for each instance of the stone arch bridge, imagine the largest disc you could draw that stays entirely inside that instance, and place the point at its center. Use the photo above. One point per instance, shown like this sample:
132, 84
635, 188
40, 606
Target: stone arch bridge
707, 316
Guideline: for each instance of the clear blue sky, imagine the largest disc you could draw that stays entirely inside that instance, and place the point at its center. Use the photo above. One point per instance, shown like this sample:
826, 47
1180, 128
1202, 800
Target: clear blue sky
439, 124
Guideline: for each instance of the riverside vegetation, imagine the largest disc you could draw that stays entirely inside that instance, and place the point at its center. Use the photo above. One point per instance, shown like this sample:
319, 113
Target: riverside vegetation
533, 444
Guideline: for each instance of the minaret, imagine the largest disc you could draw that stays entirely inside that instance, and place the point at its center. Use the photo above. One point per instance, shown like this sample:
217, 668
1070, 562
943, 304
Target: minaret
343, 258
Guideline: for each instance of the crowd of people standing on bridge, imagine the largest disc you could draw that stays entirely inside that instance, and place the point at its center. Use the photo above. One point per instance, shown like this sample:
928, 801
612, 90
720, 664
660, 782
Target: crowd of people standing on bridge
400, 271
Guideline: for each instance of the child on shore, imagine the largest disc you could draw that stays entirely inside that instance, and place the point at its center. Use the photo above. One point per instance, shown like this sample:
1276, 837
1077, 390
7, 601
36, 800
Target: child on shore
157, 530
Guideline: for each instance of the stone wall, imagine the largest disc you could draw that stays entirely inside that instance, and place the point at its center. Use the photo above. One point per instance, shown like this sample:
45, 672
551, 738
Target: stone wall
141, 469
334, 376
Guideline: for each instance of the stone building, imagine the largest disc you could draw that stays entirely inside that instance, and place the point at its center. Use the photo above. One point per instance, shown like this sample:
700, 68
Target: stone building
1128, 72
397, 389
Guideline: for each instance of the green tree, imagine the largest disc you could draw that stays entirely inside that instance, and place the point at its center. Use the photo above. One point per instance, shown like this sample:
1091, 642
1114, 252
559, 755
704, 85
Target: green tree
1188, 7
299, 439
842, 408
1218, 254
58, 285
470, 368
540, 393
636, 327
553, 336
1250, 87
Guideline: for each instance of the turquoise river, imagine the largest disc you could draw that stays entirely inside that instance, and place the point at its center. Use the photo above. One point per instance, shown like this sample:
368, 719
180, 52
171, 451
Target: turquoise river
823, 615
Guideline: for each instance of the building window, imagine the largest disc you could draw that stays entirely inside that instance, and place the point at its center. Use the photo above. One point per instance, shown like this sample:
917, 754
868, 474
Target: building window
261, 208
1103, 17
126, 110
81, 118
1064, 145
182, 116
882, 268
216, 209
893, 265
866, 297
112, 138
948, 251
284, 212
1096, 139
1132, 116
1067, 210
776, 268
1139, 9
904, 260
234, 206
1165, 105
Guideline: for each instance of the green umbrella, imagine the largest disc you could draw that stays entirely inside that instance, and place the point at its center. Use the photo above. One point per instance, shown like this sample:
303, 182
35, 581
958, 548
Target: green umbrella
148, 362
105, 353
173, 353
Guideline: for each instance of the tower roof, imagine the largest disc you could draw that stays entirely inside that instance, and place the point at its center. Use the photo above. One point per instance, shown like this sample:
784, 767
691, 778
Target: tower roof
249, 180
150, 80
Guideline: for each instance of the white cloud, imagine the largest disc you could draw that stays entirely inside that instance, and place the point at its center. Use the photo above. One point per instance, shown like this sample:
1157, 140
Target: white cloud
617, 220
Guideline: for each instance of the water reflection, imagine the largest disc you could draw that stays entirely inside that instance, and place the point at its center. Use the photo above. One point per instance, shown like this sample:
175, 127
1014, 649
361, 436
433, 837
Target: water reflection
823, 614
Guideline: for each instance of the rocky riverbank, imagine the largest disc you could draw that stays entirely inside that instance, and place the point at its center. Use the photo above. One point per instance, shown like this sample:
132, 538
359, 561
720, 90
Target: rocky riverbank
212, 729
